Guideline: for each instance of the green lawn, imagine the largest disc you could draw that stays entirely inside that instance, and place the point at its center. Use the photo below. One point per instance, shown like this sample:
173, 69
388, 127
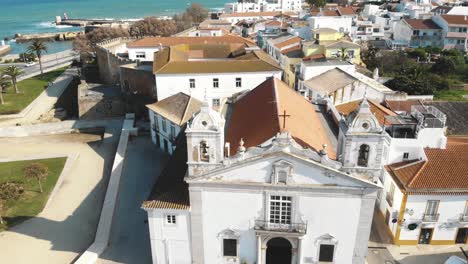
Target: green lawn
31, 201
450, 95
29, 90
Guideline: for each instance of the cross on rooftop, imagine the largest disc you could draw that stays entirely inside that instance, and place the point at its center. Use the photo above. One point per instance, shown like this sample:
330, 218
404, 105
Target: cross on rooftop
284, 115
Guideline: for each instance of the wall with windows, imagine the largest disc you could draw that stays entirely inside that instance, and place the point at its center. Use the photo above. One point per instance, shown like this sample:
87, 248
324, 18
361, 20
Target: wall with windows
203, 84
163, 132
449, 210
170, 241
142, 54
338, 23
389, 200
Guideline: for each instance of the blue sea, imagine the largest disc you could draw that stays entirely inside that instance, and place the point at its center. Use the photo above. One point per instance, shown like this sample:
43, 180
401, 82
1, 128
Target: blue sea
35, 16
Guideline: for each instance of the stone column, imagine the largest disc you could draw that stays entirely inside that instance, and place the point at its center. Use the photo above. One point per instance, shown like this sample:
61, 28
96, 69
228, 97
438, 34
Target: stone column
299, 250
259, 249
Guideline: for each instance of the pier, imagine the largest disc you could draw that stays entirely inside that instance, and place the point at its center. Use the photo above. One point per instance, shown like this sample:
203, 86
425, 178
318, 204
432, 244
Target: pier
83, 22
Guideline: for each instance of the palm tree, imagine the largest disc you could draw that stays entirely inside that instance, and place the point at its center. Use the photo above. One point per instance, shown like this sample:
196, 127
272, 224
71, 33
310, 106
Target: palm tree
13, 72
38, 46
343, 53
4, 82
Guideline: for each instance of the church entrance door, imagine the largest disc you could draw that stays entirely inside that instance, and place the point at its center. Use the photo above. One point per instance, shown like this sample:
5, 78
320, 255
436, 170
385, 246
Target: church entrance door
279, 251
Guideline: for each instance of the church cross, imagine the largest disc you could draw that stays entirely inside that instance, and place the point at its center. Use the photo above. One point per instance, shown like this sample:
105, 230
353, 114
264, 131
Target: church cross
284, 115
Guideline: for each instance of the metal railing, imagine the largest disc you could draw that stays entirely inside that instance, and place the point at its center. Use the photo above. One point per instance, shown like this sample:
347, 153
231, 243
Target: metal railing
261, 225
430, 217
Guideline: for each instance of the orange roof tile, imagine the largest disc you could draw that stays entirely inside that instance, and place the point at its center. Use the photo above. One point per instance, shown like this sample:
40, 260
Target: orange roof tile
456, 19
171, 41
444, 169
421, 23
291, 41
255, 117
378, 110
346, 11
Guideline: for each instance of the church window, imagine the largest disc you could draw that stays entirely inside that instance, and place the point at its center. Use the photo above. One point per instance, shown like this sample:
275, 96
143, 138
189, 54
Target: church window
215, 83
326, 253
192, 83
171, 219
163, 125
230, 247
280, 209
365, 125
238, 82
204, 151
405, 155
363, 155
282, 177
216, 102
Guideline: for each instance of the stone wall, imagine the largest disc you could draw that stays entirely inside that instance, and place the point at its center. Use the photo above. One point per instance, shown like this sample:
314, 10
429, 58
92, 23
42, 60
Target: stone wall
108, 62
138, 81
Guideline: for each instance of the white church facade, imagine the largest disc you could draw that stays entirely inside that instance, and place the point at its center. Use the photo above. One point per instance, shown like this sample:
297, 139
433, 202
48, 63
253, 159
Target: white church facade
259, 190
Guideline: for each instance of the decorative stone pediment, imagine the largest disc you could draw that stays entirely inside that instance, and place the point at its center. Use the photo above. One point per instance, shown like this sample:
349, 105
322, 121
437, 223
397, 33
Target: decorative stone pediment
282, 170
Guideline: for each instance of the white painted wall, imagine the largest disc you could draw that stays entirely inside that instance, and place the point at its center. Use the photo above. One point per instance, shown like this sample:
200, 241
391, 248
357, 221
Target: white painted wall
339, 23
170, 84
149, 53
170, 243
396, 205
156, 121
450, 208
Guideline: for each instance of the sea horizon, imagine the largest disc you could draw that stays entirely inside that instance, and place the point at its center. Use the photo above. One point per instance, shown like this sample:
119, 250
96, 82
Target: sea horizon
38, 16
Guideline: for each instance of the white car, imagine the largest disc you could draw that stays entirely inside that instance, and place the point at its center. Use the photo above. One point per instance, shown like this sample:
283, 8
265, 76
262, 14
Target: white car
30, 64
455, 260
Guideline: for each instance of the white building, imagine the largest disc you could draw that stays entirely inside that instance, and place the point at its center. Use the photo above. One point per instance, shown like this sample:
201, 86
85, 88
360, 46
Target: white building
416, 33
263, 6
344, 86
340, 19
277, 197
168, 117
455, 31
277, 46
211, 72
144, 49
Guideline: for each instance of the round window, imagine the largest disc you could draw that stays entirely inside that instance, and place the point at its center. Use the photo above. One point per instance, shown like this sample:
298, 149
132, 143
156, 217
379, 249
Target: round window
204, 123
365, 125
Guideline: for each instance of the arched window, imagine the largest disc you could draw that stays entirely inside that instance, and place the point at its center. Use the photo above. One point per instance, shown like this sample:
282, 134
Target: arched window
204, 151
363, 155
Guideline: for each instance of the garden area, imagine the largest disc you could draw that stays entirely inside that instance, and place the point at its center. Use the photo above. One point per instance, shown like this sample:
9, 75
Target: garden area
28, 90
25, 187
422, 71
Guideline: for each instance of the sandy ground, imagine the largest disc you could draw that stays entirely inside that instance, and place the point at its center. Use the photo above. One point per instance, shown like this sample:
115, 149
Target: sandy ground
130, 241
67, 227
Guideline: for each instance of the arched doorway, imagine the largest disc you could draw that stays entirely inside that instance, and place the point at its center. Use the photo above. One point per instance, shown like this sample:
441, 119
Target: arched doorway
279, 251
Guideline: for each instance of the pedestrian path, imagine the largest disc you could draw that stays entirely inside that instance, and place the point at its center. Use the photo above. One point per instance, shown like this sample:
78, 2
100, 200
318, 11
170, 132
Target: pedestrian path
45, 101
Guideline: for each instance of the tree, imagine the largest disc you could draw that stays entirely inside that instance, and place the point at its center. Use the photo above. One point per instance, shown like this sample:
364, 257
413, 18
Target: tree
2, 207
343, 53
153, 26
38, 47
197, 12
10, 191
4, 83
317, 3
370, 57
87, 43
444, 65
36, 171
13, 72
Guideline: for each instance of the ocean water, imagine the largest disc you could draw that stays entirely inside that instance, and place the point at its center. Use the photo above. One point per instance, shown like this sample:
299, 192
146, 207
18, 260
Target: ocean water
35, 16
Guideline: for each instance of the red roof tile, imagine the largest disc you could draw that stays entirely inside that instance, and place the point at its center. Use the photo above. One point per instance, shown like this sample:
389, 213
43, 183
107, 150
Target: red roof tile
456, 19
421, 24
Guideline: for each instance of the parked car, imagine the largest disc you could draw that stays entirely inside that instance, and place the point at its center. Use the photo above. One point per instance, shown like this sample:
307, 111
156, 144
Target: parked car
455, 260
30, 64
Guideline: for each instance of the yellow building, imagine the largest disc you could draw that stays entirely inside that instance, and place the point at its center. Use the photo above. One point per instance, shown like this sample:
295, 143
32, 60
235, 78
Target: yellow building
290, 62
332, 44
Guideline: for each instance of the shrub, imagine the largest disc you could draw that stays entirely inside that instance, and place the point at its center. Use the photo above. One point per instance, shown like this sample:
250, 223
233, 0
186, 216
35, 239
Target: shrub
37, 171
10, 191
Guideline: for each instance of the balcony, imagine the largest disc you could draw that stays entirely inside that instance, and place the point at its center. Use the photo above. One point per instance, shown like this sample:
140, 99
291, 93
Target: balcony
463, 218
430, 218
299, 228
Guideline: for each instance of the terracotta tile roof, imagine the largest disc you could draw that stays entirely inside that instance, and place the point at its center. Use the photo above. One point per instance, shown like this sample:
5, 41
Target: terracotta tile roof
330, 81
314, 57
401, 105
171, 41
170, 190
456, 19
294, 51
255, 118
346, 11
174, 60
378, 110
178, 108
444, 170
291, 41
421, 23
325, 13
